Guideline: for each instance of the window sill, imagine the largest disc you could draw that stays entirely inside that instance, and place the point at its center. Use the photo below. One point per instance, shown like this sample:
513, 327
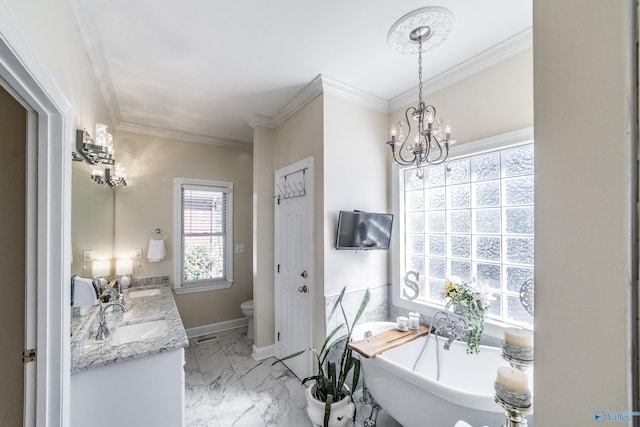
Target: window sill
191, 289
492, 328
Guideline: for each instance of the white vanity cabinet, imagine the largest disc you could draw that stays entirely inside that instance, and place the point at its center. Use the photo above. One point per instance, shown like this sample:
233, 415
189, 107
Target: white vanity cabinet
147, 391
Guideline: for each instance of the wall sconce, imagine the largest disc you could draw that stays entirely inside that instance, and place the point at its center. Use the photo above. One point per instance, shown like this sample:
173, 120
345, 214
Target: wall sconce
103, 175
98, 152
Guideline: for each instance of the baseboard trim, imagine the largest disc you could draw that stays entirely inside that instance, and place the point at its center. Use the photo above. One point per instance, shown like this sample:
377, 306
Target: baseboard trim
212, 328
263, 352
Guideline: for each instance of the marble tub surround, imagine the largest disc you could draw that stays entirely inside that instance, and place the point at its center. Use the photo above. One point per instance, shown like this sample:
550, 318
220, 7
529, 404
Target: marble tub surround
87, 352
377, 309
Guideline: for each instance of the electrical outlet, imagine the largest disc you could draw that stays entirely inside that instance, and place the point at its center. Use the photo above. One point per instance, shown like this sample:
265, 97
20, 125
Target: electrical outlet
137, 253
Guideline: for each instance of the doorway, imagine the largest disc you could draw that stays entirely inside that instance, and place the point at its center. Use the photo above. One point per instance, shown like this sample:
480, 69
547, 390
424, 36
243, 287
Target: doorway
13, 138
294, 258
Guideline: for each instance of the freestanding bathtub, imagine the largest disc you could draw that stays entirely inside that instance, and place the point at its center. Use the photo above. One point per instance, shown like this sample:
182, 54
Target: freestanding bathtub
465, 390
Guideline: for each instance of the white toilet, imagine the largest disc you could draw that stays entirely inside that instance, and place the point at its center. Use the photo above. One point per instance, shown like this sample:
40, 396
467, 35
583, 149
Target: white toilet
247, 310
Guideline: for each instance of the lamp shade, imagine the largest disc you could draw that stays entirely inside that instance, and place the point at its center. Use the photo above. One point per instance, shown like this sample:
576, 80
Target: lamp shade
101, 268
123, 266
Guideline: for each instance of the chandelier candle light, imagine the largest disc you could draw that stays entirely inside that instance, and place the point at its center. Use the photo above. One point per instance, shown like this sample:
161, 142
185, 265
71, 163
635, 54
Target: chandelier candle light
424, 143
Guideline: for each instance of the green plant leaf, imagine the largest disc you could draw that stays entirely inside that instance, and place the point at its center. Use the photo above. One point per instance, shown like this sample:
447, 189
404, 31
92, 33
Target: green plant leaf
291, 356
327, 410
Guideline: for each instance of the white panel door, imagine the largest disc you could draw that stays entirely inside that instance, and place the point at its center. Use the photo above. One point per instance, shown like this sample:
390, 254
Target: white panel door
294, 264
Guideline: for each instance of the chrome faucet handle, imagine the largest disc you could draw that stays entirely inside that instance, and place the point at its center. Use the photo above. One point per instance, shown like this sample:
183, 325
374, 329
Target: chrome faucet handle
103, 330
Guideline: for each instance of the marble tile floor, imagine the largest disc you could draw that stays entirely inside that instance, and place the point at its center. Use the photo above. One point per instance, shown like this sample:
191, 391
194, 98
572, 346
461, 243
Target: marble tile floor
226, 387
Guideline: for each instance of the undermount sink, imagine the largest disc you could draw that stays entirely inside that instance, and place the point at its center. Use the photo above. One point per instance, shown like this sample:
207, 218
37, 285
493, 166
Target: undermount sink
144, 293
139, 331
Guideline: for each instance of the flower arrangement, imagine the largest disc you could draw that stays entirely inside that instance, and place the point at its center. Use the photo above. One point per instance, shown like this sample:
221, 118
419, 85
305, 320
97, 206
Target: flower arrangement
470, 302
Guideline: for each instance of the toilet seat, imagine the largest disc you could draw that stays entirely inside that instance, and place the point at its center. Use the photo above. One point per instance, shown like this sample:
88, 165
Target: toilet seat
247, 305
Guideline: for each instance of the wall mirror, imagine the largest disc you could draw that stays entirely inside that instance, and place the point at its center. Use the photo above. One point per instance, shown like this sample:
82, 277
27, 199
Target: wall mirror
92, 220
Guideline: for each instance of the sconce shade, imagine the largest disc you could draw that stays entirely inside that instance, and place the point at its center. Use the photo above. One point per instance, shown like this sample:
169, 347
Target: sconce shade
123, 266
101, 268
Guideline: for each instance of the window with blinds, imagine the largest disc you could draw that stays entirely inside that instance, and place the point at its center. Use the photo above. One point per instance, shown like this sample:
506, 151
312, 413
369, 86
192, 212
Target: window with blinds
205, 233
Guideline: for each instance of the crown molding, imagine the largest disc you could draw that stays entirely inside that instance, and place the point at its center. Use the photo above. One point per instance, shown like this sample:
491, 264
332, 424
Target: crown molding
184, 136
97, 58
354, 95
317, 86
302, 98
264, 121
492, 56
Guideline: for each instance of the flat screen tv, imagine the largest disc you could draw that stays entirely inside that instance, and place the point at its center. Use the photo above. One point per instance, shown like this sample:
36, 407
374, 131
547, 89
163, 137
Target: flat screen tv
363, 230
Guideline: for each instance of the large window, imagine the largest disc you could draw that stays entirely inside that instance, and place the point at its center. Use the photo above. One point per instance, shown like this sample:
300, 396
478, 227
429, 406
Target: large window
470, 218
203, 223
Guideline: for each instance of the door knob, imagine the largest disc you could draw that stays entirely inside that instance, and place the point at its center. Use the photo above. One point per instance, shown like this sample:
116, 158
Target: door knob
304, 274
303, 289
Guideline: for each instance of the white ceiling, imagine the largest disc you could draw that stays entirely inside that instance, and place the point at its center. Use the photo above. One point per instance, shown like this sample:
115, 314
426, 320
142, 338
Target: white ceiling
204, 67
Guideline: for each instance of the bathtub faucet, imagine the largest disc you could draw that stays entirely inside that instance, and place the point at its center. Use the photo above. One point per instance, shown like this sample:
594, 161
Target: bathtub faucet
453, 335
450, 326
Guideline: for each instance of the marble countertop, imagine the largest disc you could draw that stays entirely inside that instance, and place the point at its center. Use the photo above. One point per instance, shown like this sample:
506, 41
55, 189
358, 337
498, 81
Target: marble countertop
87, 352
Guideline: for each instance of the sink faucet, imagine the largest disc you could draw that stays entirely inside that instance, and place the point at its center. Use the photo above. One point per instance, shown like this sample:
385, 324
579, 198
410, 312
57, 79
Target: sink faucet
115, 291
103, 331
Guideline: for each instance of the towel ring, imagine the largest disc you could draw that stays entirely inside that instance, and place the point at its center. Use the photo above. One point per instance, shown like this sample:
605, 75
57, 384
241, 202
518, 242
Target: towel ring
157, 234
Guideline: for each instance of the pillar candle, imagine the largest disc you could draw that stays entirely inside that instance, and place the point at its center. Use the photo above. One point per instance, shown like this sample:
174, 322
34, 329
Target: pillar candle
518, 337
512, 379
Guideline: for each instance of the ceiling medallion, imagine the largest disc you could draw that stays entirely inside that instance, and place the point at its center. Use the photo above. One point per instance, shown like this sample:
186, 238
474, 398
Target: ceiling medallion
436, 21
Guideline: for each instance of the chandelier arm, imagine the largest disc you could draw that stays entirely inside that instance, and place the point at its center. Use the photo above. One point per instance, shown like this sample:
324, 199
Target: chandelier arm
444, 154
399, 160
404, 161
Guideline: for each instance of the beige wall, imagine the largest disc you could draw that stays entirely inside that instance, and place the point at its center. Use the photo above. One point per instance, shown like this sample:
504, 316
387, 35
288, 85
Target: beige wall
584, 157
146, 203
263, 237
13, 143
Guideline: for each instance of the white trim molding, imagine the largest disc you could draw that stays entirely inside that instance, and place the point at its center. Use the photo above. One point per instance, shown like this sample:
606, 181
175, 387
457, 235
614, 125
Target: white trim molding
261, 353
48, 235
213, 328
184, 136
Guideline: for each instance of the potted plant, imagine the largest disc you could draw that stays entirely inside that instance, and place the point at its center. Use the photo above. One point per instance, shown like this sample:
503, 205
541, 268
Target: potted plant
469, 302
329, 399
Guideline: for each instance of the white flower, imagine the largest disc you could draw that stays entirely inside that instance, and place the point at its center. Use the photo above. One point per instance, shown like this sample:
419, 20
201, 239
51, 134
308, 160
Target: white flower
481, 292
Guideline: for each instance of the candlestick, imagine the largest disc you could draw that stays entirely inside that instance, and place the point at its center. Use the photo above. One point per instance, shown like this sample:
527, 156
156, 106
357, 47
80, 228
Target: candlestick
512, 379
518, 337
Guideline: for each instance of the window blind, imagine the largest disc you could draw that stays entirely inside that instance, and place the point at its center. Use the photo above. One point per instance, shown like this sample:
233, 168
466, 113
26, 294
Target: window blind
204, 231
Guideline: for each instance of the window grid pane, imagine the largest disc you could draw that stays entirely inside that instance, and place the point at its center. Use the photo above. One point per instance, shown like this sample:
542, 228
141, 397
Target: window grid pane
479, 218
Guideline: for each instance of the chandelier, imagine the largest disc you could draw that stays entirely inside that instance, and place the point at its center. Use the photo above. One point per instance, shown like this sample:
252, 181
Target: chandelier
425, 142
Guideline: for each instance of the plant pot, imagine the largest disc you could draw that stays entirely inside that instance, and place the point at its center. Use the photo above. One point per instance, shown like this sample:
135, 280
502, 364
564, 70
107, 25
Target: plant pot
341, 411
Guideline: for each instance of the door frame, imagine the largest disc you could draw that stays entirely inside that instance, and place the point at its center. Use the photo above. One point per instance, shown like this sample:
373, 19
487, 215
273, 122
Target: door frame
48, 224
306, 163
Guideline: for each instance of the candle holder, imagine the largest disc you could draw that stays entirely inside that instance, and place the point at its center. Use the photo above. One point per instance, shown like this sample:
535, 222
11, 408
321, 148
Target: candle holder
520, 357
517, 405
516, 416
